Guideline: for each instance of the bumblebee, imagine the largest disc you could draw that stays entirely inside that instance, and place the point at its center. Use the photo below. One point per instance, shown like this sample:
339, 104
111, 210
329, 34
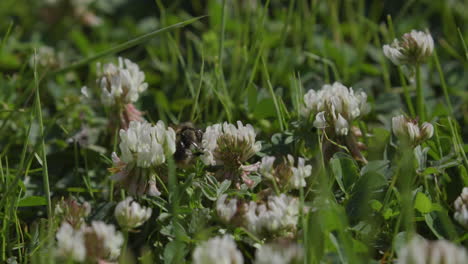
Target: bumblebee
188, 144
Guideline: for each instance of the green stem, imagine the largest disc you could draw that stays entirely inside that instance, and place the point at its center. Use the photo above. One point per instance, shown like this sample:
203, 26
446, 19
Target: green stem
45, 173
406, 92
420, 95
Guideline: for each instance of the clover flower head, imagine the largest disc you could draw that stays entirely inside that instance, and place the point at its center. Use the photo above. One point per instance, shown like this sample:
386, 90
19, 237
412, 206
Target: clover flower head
461, 208
218, 250
300, 172
278, 215
47, 57
227, 144
335, 106
409, 131
73, 212
130, 214
226, 211
279, 253
122, 83
413, 48
286, 173
420, 250
145, 144
103, 241
70, 243
143, 147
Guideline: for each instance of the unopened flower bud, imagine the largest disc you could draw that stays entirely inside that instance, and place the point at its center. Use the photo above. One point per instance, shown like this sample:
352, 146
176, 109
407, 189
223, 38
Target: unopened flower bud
409, 131
130, 214
427, 130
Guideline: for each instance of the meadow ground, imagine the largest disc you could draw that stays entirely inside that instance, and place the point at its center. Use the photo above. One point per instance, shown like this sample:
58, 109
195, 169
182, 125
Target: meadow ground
120, 139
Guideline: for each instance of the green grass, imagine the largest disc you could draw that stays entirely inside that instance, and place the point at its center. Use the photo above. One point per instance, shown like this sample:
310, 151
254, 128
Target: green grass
214, 61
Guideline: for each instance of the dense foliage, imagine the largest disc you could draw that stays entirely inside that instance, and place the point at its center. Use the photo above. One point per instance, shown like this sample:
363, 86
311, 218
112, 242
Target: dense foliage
227, 131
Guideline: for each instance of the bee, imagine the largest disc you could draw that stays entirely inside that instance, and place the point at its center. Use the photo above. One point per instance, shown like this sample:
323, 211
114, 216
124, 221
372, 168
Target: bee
188, 144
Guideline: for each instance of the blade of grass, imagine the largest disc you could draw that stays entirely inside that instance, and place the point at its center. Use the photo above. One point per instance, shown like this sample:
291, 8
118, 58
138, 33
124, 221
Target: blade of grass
125, 45
273, 96
45, 172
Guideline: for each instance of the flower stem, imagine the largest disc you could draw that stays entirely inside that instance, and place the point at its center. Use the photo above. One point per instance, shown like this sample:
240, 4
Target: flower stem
45, 171
420, 95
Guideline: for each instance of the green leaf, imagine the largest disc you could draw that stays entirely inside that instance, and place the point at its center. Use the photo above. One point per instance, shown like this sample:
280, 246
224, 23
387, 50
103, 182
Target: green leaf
345, 171
376, 205
422, 203
32, 201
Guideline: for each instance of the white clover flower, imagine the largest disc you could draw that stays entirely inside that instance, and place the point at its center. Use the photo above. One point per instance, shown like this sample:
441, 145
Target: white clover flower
285, 174
461, 208
279, 254
121, 84
218, 250
300, 172
103, 241
70, 243
130, 214
266, 167
47, 57
335, 106
228, 144
279, 214
147, 145
409, 131
143, 146
414, 48
226, 211
420, 250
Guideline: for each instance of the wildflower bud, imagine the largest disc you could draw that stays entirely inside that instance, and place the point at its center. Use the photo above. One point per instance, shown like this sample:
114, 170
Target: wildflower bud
70, 243
130, 214
420, 250
72, 212
335, 106
284, 253
218, 250
427, 130
226, 211
408, 130
461, 208
413, 48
